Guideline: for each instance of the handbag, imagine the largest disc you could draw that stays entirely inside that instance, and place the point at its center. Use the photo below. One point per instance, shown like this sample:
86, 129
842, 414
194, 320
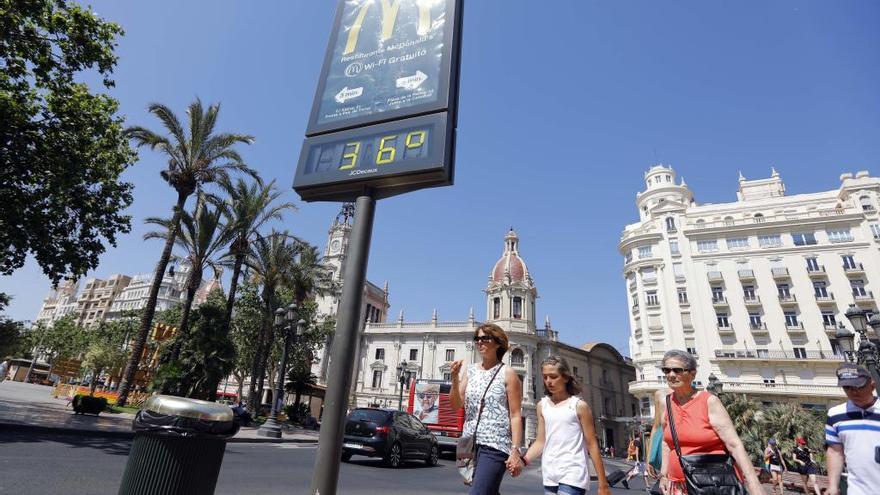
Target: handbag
655, 456
466, 447
705, 474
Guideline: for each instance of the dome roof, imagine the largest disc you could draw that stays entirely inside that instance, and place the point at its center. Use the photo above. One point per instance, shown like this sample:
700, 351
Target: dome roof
510, 262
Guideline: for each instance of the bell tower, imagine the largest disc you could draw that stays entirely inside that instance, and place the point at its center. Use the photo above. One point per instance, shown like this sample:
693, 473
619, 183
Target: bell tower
511, 293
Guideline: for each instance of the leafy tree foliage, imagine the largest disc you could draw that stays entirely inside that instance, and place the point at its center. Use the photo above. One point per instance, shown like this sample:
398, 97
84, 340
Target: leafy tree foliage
100, 357
206, 353
247, 324
11, 332
62, 148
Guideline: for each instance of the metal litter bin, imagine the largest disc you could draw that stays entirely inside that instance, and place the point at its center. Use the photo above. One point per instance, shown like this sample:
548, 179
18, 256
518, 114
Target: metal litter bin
178, 447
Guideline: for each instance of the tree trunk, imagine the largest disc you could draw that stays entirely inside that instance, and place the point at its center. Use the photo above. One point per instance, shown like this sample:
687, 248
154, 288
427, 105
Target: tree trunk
94, 384
192, 286
150, 308
264, 346
233, 287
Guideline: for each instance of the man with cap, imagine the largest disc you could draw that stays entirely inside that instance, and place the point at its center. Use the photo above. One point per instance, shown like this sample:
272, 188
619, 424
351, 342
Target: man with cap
852, 433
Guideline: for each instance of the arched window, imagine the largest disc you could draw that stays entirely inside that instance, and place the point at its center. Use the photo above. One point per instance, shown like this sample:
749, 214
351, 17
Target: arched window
668, 178
670, 224
516, 357
496, 308
701, 223
517, 307
759, 218
728, 221
865, 201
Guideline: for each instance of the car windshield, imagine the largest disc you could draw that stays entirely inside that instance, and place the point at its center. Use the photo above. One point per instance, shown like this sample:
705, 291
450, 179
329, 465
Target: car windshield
368, 415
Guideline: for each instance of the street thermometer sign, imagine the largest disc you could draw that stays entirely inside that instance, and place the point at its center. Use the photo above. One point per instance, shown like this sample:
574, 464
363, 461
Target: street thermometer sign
384, 114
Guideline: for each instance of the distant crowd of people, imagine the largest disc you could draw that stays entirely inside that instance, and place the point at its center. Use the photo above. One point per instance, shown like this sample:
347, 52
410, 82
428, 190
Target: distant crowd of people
693, 449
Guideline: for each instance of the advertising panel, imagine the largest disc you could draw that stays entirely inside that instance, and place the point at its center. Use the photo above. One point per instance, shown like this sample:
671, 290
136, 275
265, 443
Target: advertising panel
387, 59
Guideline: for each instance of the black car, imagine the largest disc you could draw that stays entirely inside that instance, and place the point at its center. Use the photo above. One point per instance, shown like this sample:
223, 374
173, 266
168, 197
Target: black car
395, 436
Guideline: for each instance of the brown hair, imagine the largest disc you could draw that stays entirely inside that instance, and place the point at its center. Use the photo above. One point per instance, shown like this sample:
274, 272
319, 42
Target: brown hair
572, 385
498, 335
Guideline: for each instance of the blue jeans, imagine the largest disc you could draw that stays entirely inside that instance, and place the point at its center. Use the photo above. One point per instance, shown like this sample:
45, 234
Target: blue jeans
489, 472
564, 490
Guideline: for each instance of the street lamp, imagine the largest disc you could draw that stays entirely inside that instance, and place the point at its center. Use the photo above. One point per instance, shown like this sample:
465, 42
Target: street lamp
845, 342
868, 354
292, 331
715, 386
402, 375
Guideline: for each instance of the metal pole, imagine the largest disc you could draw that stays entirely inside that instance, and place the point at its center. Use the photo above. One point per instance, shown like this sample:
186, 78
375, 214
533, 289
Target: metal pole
325, 476
271, 428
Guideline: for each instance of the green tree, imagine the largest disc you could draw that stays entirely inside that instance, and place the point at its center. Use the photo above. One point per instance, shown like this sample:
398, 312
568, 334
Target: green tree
100, 357
299, 380
248, 208
205, 353
270, 261
195, 158
62, 147
247, 324
64, 338
11, 332
201, 239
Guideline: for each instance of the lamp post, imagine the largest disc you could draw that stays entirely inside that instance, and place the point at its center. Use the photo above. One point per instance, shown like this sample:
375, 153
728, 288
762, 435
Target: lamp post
401, 377
715, 386
867, 355
292, 330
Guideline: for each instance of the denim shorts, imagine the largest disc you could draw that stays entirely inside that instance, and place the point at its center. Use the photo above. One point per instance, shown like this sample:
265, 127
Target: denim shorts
564, 489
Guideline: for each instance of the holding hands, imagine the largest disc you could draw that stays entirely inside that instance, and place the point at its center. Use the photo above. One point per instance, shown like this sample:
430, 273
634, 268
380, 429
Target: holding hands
514, 463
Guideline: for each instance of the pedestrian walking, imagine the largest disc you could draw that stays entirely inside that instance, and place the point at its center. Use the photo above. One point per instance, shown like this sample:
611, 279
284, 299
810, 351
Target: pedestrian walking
492, 400
775, 464
631, 450
805, 464
695, 422
852, 434
4, 368
566, 434
639, 466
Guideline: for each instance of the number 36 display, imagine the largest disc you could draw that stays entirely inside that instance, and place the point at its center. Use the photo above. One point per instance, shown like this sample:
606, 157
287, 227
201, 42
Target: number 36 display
394, 158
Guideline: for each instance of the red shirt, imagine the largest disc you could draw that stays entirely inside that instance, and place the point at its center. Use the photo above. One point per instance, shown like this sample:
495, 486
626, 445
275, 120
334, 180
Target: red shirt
695, 433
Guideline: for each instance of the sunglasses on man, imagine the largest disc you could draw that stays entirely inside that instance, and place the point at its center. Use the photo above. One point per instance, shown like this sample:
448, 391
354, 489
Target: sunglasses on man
854, 388
677, 371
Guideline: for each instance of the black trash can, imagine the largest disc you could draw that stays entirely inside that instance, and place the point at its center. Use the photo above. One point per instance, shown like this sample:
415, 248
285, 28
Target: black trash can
178, 447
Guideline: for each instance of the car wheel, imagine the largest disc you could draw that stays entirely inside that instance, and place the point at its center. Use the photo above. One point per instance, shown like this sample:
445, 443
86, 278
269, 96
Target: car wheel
346, 456
433, 456
394, 456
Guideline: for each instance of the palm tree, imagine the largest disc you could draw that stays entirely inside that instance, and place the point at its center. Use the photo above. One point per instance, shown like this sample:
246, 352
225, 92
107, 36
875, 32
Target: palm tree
195, 158
270, 261
249, 207
310, 276
299, 379
201, 239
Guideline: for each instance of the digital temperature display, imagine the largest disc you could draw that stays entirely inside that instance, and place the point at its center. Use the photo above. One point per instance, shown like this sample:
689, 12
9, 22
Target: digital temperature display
365, 154
390, 158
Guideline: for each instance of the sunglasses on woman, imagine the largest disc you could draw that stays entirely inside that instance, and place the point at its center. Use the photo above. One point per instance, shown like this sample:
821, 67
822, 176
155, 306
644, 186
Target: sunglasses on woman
484, 338
677, 371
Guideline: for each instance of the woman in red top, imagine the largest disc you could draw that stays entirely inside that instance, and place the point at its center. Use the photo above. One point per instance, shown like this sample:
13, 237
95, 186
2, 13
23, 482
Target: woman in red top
702, 424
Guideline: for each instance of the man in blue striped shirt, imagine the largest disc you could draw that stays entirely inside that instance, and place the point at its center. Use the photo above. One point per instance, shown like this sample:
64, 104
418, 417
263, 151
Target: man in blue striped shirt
852, 433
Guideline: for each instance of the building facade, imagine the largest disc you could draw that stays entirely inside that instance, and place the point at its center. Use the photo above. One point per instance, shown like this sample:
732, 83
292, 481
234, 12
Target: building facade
755, 288
58, 303
134, 296
426, 349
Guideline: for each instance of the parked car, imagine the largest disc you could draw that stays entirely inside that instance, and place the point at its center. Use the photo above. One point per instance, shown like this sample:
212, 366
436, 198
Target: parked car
395, 436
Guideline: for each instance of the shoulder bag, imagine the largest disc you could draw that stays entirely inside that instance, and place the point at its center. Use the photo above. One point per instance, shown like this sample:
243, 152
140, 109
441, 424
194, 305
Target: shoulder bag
705, 474
466, 447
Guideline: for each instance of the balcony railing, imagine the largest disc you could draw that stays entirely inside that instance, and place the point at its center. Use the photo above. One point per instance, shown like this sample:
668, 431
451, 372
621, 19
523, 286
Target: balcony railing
867, 296
719, 300
795, 327
758, 328
726, 330
715, 276
779, 355
752, 300
787, 299
683, 301
746, 274
652, 304
818, 271
827, 297
646, 385
856, 269
779, 272
794, 389
547, 334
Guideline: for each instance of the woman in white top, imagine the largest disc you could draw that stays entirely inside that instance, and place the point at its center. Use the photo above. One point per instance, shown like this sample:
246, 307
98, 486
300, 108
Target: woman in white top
565, 434
500, 424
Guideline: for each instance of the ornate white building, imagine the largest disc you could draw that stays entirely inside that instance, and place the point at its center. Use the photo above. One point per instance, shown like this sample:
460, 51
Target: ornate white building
755, 288
426, 349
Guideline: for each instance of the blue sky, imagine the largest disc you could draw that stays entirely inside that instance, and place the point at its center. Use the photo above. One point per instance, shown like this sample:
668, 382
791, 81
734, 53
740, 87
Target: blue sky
564, 105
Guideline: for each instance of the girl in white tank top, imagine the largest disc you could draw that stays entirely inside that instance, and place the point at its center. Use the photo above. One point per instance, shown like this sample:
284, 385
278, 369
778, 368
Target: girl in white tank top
566, 434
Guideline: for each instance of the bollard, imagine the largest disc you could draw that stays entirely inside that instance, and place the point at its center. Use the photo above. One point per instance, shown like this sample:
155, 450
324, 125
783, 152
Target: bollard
178, 447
